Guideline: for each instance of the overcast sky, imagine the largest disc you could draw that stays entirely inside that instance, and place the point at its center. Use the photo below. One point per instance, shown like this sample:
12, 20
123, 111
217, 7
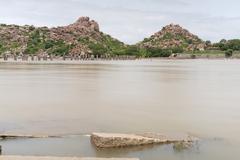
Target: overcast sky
131, 20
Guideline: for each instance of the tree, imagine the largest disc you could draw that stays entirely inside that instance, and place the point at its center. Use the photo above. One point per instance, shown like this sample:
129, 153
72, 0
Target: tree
233, 44
177, 50
132, 50
98, 49
208, 43
60, 48
158, 52
223, 41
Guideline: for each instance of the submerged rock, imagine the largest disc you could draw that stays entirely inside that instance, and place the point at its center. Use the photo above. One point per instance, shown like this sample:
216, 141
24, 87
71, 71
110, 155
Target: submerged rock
110, 140
12, 136
180, 146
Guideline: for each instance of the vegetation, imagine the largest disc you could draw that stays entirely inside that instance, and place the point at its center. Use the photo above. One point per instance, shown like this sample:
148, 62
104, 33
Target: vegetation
2, 48
97, 48
229, 53
225, 45
35, 43
59, 48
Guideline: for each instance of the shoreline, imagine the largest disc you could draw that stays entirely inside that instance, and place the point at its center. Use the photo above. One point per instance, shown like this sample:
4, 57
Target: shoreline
101, 61
59, 158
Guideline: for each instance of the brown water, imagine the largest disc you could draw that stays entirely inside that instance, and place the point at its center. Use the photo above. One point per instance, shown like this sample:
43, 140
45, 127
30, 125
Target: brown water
195, 96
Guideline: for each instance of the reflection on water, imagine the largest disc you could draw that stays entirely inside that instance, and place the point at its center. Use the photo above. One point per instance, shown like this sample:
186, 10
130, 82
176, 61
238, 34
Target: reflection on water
196, 96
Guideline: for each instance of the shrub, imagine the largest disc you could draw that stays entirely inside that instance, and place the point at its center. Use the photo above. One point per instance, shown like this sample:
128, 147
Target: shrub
190, 41
49, 44
132, 50
84, 40
98, 49
34, 43
193, 56
177, 50
158, 52
168, 36
31, 28
229, 53
31, 50
60, 48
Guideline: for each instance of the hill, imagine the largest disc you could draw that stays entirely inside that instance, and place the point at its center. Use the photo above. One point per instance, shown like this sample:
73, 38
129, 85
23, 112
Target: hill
82, 37
174, 37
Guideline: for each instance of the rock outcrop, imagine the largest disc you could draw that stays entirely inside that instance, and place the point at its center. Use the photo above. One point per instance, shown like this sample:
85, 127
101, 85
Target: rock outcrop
85, 23
109, 140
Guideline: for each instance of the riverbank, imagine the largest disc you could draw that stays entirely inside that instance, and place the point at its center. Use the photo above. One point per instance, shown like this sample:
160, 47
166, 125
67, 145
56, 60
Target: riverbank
182, 56
57, 61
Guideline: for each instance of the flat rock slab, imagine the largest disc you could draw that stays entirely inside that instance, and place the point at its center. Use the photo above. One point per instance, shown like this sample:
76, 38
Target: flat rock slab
12, 136
113, 140
58, 158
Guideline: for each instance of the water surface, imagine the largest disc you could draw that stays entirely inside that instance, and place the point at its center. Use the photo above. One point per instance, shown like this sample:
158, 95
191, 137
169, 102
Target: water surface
200, 97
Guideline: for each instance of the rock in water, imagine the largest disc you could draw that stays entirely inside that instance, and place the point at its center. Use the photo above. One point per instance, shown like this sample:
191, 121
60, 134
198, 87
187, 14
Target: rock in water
109, 140
181, 146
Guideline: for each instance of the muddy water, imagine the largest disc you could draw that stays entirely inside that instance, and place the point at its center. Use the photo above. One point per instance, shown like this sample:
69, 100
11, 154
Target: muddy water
196, 96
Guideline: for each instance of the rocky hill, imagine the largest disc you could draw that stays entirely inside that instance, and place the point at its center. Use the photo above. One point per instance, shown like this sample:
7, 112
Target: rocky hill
173, 37
84, 38
81, 37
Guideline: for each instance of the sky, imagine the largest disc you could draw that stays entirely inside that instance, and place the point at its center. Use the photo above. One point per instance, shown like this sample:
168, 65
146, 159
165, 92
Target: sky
131, 20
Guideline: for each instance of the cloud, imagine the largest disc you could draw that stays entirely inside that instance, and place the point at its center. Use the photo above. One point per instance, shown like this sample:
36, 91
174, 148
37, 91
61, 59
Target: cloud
130, 20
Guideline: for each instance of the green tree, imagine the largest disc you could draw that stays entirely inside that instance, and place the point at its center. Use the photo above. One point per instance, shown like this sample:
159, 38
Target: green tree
132, 50
177, 50
98, 49
158, 52
208, 43
223, 41
60, 48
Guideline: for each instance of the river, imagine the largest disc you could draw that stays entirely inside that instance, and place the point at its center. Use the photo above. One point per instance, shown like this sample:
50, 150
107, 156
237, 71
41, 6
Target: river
200, 97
